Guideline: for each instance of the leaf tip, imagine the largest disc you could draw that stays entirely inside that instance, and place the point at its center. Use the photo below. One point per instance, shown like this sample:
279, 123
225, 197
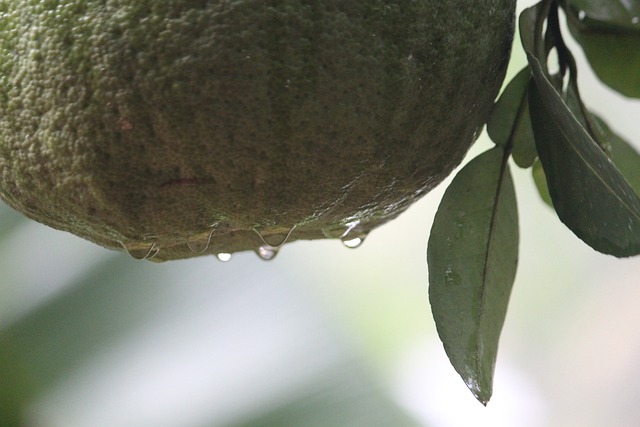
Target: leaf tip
482, 394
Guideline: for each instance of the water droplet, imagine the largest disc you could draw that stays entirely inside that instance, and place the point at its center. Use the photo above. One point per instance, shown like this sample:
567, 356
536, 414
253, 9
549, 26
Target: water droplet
449, 242
451, 278
267, 253
581, 15
353, 237
458, 232
353, 243
224, 257
141, 251
197, 244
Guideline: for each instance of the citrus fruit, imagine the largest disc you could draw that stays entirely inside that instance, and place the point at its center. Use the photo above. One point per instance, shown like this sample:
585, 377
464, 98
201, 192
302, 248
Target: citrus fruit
175, 128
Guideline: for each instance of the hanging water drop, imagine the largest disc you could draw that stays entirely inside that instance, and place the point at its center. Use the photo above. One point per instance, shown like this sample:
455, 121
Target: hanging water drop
353, 237
353, 243
267, 253
146, 251
224, 257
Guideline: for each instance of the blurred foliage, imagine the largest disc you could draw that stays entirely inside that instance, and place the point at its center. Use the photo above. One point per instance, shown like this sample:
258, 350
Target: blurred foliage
44, 345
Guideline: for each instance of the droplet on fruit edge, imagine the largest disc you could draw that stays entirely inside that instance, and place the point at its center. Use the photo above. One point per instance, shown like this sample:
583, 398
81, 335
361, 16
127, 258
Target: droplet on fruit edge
224, 257
353, 237
353, 243
145, 252
267, 253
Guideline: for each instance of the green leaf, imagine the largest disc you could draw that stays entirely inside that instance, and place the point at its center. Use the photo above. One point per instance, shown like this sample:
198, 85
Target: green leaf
509, 124
524, 148
623, 155
611, 15
540, 180
589, 194
609, 33
472, 257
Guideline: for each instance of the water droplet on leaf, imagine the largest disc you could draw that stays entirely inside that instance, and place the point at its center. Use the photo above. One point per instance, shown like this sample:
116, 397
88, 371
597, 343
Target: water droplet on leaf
451, 278
458, 232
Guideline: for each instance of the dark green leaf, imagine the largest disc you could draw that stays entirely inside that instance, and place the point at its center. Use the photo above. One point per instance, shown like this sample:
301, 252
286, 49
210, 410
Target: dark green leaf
575, 105
609, 33
589, 194
524, 148
472, 257
508, 108
611, 15
509, 124
529, 31
540, 180
623, 155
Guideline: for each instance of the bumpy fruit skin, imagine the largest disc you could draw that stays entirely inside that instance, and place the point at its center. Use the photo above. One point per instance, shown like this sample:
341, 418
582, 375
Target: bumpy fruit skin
182, 122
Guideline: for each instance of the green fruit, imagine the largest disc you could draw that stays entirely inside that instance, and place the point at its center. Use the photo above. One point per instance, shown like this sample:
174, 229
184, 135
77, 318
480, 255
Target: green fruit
196, 126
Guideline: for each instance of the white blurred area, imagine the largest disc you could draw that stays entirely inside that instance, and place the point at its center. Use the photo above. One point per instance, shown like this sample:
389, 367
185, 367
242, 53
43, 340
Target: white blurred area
323, 335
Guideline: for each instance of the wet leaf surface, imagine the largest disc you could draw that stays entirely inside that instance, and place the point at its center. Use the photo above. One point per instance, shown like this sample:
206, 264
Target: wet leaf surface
472, 257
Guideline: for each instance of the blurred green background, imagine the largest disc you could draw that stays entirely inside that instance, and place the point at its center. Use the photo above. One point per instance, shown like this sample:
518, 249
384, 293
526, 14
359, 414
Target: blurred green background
321, 336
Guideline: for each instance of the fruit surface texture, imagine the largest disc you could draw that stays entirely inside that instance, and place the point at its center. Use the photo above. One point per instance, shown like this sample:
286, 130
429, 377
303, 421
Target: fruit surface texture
189, 127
